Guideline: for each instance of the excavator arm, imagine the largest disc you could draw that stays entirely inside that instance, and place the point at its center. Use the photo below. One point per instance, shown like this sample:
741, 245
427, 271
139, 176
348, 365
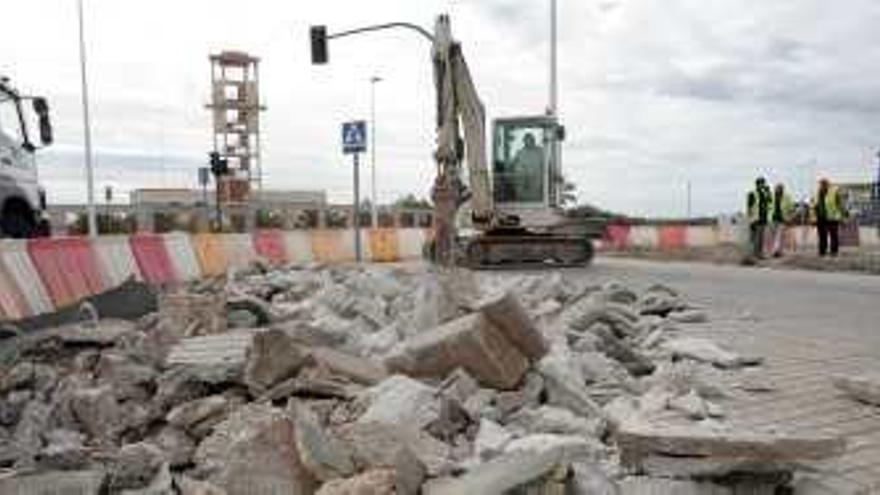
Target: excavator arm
458, 109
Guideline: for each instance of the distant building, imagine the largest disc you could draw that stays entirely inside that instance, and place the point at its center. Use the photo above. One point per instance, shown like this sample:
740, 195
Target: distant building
193, 197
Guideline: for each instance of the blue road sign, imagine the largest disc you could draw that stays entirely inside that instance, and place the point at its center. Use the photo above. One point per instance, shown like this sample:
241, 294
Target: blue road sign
354, 137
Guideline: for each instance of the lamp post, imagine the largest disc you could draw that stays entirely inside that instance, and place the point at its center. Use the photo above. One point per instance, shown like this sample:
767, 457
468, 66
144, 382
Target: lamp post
87, 130
374, 203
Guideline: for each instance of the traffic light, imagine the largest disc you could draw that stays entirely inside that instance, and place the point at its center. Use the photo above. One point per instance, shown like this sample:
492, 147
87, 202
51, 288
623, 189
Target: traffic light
219, 165
319, 44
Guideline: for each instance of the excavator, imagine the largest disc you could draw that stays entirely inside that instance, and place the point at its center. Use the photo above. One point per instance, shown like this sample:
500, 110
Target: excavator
510, 215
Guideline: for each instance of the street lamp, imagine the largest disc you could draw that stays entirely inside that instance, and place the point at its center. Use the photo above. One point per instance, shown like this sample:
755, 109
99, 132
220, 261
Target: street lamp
87, 130
374, 203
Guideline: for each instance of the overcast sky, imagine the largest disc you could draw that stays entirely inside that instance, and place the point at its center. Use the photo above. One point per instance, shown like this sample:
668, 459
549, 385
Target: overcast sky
654, 93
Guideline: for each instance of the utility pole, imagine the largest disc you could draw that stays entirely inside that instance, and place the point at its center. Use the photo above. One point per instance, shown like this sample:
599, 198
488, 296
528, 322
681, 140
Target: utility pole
552, 108
689, 203
375, 201
87, 130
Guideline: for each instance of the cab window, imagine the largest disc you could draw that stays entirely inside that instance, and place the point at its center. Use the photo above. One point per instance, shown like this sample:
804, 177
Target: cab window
10, 125
521, 157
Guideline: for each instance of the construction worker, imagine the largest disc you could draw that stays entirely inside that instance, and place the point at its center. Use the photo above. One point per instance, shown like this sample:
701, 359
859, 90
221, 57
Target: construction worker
781, 217
759, 204
829, 211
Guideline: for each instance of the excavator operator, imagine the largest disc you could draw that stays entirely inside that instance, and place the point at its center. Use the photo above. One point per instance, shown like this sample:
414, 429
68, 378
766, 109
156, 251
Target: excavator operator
527, 167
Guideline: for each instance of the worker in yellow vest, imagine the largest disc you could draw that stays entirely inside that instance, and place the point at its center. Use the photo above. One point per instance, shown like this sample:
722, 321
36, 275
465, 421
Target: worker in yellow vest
829, 211
759, 204
781, 217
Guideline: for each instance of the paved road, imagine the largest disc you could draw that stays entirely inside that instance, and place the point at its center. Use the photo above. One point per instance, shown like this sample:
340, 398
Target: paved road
810, 326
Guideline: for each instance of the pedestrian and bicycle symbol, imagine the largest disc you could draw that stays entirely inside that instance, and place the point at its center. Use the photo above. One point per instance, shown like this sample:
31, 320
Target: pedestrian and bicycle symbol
354, 137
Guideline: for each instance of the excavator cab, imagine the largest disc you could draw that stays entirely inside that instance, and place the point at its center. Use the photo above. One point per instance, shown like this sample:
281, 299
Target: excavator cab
524, 168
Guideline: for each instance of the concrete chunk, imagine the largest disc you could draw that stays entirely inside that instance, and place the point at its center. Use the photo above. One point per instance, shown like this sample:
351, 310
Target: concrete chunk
643, 485
400, 400
470, 342
507, 314
498, 476
55, 482
640, 441
272, 358
254, 451
373, 482
322, 454
864, 388
198, 416
355, 368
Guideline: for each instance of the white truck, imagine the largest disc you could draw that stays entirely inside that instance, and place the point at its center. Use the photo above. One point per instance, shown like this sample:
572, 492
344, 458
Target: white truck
22, 199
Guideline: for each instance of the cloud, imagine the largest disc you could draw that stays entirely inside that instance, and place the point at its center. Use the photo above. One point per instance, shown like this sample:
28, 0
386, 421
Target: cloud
653, 94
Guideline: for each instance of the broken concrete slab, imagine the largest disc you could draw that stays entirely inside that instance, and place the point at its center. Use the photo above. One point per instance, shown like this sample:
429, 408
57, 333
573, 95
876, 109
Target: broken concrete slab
862, 387
507, 314
381, 445
470, 342
355, 368
130, 380
708, 352
65, 450
87, 482
134, 466
98, 412
177, 447
227, 349
29, 375
498, 476
639, 441
400, 400
644, 485
550, 419
565, 386
491, 440
161, 484
271, 358
372, 482
197, 417
689, 316
569, 447
322, 454
189, 486
254, 451
188, 314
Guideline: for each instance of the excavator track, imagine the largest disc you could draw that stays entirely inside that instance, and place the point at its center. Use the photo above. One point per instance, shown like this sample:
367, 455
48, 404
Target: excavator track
523, 249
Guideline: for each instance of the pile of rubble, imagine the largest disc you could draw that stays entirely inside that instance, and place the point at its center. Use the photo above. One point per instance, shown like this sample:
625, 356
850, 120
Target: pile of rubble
355, 380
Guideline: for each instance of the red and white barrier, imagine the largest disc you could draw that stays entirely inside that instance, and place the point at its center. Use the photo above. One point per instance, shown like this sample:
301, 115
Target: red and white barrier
41, 275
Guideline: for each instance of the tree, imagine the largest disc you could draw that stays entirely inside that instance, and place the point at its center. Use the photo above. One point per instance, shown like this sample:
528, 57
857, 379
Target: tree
410, 201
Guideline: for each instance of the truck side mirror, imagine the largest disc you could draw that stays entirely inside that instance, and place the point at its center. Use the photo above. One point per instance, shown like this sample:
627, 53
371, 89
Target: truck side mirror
41, 108
319, 45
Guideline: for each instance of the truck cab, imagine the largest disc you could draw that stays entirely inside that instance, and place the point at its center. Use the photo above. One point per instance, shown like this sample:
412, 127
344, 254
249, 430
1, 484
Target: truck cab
22, 200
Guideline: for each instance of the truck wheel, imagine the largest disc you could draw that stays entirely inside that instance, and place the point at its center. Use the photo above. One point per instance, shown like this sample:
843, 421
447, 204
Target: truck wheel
17, 222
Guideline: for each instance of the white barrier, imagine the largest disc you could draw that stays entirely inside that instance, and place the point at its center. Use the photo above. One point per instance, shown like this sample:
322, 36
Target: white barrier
701, 236
114, 257
239, 249
644, 236
23, 273
410, 243
298, 244
182, 255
